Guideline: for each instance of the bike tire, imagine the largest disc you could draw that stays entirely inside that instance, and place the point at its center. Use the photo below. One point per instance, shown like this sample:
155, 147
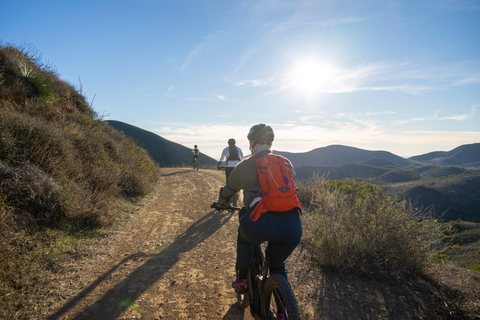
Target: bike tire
278, 298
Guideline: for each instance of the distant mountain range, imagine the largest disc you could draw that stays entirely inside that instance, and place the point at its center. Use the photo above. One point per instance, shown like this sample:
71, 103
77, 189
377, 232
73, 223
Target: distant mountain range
337, 155
447, 181
467, 155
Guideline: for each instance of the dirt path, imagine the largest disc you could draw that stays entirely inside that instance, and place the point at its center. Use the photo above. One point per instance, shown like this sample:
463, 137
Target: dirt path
173, 260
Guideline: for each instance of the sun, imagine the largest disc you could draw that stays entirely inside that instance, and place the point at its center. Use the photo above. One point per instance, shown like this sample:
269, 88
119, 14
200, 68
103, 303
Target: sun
312, 75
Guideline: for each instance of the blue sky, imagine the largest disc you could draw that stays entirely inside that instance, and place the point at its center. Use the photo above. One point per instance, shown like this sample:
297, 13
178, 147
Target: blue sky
400, 76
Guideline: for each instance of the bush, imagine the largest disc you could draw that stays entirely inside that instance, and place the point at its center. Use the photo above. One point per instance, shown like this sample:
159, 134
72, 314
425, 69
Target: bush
60, 165
354, 226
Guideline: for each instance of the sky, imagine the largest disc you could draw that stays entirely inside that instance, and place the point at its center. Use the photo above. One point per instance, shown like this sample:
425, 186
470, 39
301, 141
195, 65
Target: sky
399, 76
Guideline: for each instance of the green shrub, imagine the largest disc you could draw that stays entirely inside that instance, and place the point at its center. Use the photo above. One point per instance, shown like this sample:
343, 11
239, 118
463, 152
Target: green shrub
354, 226
475, 267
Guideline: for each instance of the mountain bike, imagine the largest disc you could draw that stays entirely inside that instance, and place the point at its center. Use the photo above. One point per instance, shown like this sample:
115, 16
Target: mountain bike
195, 162
269, 296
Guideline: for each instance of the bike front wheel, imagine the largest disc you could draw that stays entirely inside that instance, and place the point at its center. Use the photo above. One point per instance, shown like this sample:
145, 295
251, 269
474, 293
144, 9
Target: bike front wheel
278, 298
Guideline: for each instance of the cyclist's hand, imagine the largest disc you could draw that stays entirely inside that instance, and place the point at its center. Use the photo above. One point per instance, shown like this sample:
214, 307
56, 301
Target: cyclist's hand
219, 167
218, 207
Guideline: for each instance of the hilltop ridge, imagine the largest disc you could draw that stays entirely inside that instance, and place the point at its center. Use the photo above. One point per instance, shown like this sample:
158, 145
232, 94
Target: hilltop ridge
165, 152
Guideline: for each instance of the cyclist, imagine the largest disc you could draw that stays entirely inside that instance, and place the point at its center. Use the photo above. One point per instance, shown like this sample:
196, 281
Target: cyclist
233, 156
195, 153
282, 230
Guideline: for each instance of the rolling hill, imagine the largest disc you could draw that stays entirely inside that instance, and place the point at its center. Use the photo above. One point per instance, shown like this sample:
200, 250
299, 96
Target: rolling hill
337, 155
164, 152
467, 155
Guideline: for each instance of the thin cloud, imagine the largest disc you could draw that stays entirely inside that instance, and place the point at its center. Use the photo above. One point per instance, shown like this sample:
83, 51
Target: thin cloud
333, 22
379, 113
192, 54
170, 91
199, 99
254, 83
455, 117
197, 49
467, 81
223, 98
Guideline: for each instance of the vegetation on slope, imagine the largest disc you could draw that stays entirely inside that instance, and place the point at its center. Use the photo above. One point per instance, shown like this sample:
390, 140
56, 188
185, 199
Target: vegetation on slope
166, 153
63, 171
355, 226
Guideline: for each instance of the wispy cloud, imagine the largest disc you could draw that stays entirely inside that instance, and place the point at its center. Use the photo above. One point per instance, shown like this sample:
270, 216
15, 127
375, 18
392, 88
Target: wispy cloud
404, 77
192, 54
170, 91
334, 22
223, 97
455, 117
254, 83
197, 49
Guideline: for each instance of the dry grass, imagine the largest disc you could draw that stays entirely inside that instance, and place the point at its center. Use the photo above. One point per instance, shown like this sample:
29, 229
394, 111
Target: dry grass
63, 172
354, 226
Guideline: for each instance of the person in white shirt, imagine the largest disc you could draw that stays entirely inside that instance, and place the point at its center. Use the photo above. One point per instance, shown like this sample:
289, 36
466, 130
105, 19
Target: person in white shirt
233, 155
196, 154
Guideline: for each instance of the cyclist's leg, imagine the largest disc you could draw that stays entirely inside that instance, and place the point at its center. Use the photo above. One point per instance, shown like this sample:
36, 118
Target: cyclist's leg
244, 256
229, 170
289, 232
283, 231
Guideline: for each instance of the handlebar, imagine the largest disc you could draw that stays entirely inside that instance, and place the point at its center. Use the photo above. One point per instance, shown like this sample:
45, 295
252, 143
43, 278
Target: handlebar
230, 207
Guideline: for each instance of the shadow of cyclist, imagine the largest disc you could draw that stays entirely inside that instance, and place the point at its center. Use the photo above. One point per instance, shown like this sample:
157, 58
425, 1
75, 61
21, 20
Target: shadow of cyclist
108, 307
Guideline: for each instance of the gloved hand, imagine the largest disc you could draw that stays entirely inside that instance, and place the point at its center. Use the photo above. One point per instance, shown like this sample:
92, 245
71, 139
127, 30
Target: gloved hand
219, 207
219, 165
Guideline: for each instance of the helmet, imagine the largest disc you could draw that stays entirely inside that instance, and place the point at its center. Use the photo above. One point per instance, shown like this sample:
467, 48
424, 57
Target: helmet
231, 141
195, 146
261, 133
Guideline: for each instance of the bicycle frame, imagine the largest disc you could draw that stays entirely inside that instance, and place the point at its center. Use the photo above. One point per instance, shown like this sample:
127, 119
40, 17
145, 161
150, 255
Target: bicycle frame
264, 289
259, 268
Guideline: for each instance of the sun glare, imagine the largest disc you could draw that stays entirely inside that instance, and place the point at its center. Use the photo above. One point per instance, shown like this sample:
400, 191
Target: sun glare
312, 75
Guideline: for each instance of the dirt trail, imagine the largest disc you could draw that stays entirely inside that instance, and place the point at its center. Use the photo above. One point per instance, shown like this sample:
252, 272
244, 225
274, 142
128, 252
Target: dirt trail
173, 260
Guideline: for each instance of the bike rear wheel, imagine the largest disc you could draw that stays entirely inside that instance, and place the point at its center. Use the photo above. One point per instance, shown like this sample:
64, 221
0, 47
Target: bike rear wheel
279, 299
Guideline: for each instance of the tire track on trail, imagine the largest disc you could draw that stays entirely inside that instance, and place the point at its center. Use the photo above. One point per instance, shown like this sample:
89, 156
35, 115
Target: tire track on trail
174, 258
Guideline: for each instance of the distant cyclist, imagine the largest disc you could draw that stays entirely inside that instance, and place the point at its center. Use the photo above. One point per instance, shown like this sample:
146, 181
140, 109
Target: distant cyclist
233, 156
195, 153
282, 230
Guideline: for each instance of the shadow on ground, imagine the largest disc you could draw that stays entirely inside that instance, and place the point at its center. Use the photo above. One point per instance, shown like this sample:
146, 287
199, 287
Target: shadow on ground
108, 308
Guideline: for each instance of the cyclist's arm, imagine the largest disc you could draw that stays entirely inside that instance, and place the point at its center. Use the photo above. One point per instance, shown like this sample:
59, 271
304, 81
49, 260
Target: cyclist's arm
245, 177
223, 156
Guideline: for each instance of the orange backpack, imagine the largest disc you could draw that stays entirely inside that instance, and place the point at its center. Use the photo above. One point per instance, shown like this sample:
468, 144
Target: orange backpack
279, 193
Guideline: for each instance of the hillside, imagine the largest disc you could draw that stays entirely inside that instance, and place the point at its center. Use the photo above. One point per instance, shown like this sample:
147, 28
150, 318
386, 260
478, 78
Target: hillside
64, 174
454, 197
466, 155
166, 153
337, 155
